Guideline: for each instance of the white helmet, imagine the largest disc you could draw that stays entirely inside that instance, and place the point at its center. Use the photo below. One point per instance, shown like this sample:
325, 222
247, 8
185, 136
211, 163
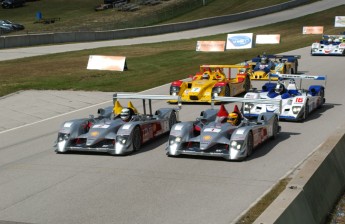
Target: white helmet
125, 114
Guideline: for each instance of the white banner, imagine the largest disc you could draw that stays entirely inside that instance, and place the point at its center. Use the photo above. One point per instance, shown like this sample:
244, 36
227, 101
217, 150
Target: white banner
339, 21
268, 39
111, 63
239, 41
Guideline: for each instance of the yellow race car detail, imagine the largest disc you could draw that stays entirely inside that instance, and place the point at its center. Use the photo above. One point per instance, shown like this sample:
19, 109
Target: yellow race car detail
211, 81
265, 65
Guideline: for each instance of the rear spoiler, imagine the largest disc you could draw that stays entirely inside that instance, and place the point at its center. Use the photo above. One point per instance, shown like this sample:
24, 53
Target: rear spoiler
277, 102
143, 97
283, 56
225, 66
302, 76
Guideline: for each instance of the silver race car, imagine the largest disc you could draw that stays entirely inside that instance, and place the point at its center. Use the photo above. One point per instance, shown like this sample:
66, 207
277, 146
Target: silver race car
117, 130
215, 134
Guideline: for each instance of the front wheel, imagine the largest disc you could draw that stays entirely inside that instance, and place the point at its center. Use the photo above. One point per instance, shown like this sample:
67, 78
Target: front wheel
306, 111
136, 138
250, 144
247, 84
275, 128
172, 119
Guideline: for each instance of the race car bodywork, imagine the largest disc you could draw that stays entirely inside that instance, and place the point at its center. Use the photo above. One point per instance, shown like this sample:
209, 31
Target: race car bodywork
297, 103
109, 133
285, 64
329, 45
211, 134
219, 83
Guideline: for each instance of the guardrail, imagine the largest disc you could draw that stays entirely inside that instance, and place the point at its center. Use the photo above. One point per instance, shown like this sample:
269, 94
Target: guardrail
70, 37
315, 189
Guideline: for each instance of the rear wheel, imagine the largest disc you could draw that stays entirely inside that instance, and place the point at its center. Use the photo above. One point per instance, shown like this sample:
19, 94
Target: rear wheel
247, 84
172, 119
136, 138
227, 90
250, 144
275, 128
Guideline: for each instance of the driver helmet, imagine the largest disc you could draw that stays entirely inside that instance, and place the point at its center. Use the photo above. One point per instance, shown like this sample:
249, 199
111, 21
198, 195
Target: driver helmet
233, 118
125, 114
205, 76
263, 60
279, 88
330, 40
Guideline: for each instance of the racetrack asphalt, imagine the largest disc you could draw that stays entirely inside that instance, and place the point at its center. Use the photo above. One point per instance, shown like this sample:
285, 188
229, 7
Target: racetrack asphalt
73, 188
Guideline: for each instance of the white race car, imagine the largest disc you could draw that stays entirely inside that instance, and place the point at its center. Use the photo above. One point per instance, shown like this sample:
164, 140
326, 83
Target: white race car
297, 103
329, 45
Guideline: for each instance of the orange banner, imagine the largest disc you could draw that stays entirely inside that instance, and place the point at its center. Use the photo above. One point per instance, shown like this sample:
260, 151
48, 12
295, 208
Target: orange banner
111, 63
313, 30
212, 46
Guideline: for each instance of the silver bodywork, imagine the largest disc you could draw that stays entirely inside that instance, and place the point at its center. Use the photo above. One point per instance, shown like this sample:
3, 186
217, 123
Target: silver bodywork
109, 133
297, 103
208, 136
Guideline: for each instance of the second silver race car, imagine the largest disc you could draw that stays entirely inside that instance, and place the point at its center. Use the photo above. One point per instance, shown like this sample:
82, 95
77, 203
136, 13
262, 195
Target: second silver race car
212, 135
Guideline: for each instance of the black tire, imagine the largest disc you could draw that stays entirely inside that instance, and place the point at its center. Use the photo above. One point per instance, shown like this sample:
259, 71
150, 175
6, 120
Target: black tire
136, 138
227, 91
306, 111
322, 94
250, 144
247, 84
172, 119
275, 128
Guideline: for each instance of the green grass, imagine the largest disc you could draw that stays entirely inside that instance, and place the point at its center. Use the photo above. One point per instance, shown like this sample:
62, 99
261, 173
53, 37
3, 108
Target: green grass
150, 64
79, 15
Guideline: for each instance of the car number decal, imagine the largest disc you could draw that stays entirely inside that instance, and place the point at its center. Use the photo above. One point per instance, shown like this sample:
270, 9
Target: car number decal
299, 100
67, 125
101, 126
126, 126
195, 90
240, 132
212, 130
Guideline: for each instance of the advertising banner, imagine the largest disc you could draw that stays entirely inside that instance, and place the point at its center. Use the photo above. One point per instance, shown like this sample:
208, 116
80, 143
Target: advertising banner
339, 21
110, 63
239, 41
313, 30
267, 39
210, 46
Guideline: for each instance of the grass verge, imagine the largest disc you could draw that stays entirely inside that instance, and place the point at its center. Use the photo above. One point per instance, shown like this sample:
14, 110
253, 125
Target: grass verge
150, 64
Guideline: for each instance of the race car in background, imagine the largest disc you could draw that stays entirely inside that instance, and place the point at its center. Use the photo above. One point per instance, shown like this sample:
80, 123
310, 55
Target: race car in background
329, 45
297, 103
214, 134
110, 133
211, 81
263, 65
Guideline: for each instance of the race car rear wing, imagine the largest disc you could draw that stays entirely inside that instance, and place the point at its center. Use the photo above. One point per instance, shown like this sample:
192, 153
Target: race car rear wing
302, 76
143, 97
227, 73
276, 102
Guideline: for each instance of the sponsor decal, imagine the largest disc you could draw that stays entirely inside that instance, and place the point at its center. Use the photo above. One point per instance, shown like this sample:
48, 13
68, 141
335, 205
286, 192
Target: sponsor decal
196, 90
216, 130
207, 137
126, 126
239, 41
94, 133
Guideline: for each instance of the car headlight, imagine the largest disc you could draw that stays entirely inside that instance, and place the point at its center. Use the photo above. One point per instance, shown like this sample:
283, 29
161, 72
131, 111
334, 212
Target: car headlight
174, 90
121, 139
296, 110
248, 106
217, 89
236, 145
63, 137
174, 140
